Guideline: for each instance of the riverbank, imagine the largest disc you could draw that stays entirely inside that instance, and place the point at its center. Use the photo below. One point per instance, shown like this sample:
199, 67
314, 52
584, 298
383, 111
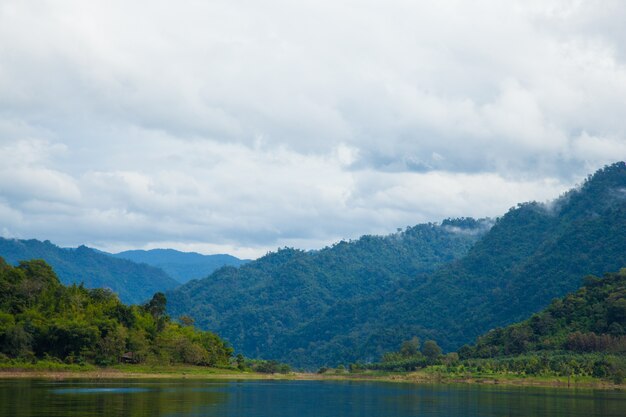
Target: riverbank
60, 371
197, 372
426, 377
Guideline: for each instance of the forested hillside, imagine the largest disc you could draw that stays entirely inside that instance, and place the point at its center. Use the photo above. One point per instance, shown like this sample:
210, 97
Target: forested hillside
593, 319
182, 266
580, 335
328, 308
134, 283
42, 319
260, 303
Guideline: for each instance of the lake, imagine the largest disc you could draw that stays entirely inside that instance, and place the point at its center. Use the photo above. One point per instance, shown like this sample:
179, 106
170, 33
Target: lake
186, 398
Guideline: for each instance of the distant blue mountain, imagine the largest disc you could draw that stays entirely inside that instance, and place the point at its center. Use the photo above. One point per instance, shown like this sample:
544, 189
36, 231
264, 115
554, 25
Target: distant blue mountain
182, 266
132, 282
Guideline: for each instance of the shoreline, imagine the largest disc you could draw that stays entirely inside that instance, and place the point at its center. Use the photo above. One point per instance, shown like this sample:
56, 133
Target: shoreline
217, 374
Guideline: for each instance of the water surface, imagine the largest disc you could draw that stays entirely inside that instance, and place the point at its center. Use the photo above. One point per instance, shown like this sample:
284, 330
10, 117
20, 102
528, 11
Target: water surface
187, 398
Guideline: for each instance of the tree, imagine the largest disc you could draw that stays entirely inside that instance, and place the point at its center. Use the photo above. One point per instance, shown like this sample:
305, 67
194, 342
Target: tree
410, 347
431, 350
241, 362
18, 342
156, 306
38, 270
111, 347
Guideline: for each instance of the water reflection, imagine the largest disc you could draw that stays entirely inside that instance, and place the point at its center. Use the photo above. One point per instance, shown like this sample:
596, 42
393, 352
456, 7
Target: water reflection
116, 398
184, 398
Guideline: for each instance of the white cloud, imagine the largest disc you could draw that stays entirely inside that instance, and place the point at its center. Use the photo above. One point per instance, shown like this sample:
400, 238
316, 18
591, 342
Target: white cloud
598, 148
245, 126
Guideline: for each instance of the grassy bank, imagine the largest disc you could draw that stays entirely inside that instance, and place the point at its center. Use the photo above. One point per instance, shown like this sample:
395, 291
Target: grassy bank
429, 376
50, 369
54, 370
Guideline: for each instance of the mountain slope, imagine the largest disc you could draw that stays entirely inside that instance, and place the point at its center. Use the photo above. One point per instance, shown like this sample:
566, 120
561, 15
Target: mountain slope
134, 283
182, 266
593, 319
257, 305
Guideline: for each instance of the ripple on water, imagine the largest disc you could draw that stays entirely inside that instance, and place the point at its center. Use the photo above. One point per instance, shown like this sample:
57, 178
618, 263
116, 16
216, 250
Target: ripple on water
117, 390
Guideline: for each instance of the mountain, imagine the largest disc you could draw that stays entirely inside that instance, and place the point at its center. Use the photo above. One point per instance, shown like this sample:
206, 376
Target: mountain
134, 283
263, 301
532, 254
357, 300
182, 266
593, 319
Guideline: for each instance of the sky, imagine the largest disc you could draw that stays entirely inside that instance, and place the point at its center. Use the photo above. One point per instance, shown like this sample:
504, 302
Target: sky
234, 126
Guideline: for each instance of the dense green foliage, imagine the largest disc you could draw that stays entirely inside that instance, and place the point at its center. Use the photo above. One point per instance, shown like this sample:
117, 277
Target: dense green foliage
133, 283
357, 300
593, 319
581, 334
263, 304
182, 266
266, 367
40, 318
599, 365
409, 357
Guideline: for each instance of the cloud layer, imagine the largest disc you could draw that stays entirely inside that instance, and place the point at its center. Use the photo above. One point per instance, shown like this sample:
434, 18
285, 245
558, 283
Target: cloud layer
238, 126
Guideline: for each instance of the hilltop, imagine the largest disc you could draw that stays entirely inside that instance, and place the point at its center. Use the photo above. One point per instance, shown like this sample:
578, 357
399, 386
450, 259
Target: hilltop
182, 266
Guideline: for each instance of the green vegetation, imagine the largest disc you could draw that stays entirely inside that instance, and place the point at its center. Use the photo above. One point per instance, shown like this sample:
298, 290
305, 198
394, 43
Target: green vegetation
182, 266
593, 319
133, 283
265, 367
43, 320
261, 306
409, 358
582, 335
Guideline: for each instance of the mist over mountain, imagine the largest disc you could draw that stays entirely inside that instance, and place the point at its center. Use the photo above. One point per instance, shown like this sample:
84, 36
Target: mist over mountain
134, 283
356, 300
182, 266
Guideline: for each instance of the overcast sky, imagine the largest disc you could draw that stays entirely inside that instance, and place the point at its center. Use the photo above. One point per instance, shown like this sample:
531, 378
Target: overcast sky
242, 126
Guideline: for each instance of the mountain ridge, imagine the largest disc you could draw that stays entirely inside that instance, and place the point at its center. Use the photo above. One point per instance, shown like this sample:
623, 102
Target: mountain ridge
182, 266
288, 288
134, 283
